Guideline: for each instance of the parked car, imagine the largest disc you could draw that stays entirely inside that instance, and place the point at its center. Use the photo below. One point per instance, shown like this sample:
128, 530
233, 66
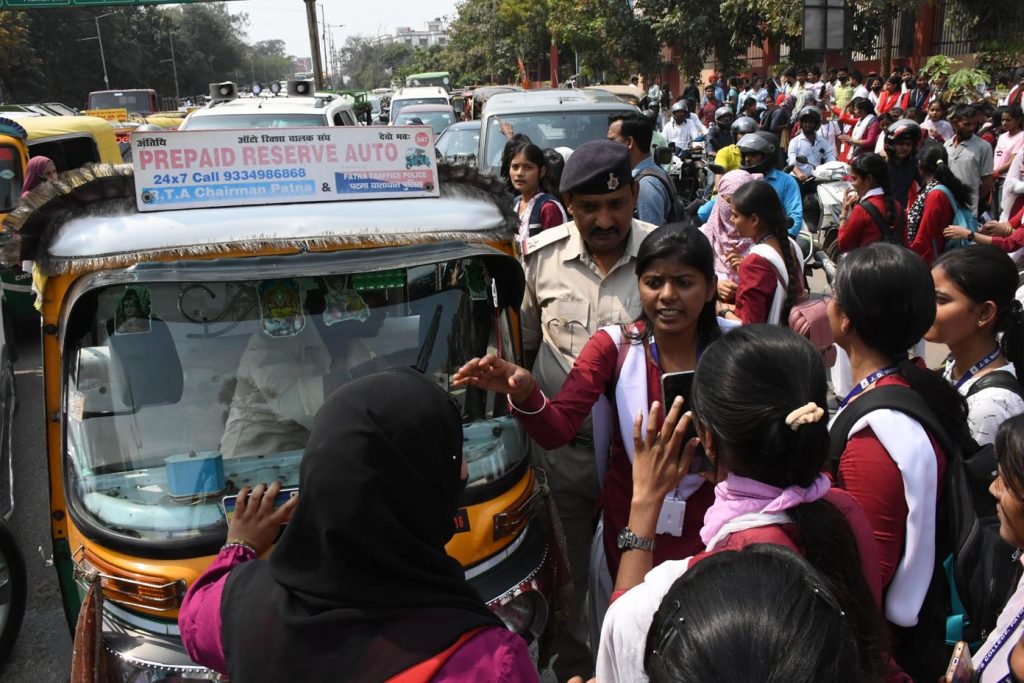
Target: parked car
550, 118
437, 116
458, 143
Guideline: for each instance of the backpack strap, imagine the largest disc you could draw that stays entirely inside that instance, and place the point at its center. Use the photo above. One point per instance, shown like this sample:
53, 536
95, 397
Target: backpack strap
997, 379
891, 397
888, 232
663, 179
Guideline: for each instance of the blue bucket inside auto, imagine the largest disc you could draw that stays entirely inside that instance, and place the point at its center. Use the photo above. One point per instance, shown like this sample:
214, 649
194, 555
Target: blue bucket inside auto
195, 474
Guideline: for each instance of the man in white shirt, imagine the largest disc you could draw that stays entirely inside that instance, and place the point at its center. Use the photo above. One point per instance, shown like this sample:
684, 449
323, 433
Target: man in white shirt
684, 127
809, 144
857, 81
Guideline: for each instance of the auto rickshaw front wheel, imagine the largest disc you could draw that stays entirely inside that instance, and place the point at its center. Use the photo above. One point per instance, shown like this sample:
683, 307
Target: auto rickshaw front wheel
13, 588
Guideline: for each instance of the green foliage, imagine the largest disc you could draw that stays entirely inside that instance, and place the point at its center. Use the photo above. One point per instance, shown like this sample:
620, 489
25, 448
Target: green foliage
49, 55
940, 65
965, 86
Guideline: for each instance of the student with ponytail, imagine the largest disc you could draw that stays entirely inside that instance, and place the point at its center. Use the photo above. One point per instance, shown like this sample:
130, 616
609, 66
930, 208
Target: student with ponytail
870, 214
884, 303
759, 405
771, 274
981, 322
935, 207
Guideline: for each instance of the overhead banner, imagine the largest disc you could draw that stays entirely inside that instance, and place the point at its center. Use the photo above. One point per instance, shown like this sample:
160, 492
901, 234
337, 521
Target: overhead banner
44, 4
196, 169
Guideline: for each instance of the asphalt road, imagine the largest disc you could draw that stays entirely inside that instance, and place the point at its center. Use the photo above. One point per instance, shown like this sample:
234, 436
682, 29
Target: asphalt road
43, 650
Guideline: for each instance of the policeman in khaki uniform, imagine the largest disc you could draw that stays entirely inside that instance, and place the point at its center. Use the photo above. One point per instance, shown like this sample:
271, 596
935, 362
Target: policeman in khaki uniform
580, 277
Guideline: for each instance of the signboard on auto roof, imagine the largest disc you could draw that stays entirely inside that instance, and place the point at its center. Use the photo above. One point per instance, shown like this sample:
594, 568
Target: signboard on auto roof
205, 168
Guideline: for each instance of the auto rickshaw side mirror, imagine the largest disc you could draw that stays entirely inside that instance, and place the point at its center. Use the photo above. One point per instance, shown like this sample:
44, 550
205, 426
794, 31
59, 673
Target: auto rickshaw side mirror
147, 364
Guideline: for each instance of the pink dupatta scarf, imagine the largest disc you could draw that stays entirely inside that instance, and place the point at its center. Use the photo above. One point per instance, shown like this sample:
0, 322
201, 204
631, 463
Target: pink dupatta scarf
720, 230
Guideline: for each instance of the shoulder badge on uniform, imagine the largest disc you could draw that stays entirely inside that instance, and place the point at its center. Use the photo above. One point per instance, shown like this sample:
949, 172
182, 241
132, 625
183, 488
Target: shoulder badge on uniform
546, 237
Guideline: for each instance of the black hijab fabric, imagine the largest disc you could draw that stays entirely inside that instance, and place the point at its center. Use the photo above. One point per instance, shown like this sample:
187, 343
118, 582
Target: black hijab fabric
359, 585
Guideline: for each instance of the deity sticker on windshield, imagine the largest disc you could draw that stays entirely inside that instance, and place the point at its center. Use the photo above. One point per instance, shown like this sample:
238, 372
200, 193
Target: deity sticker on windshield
133, 312
281, 308
343, 303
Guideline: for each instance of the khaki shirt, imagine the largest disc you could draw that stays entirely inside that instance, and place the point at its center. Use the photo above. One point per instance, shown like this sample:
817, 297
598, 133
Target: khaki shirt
567, 299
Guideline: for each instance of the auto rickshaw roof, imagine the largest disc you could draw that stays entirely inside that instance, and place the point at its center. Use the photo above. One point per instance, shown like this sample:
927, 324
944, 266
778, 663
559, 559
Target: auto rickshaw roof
88, 219
43, 127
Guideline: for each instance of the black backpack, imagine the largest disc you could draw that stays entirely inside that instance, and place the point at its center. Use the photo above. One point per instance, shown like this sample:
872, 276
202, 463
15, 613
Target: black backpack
977, 568
890, 233
677, 209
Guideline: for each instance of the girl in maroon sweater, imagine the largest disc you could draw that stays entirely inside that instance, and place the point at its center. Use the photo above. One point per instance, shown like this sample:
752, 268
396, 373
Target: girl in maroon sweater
884, 303
859, 227
770, 275
932, 212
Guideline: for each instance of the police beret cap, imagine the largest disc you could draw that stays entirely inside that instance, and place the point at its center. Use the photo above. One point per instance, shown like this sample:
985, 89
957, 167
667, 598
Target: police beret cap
597, 167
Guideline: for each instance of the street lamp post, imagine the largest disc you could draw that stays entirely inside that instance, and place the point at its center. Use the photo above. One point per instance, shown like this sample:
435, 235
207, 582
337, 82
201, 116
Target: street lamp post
174, 66
103, 59
99, 37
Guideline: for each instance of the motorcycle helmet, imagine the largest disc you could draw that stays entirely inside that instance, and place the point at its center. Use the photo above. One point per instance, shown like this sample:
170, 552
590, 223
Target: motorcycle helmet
904, 129
811, 113
680, 106
743, 126
722, 114
759, 143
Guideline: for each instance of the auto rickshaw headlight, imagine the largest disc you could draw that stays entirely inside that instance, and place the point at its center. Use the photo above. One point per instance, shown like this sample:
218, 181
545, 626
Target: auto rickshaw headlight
128, 588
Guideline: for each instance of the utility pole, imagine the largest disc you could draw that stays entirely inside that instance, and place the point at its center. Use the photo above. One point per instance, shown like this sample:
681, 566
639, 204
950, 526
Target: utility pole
99, 37
326, 54
174, 65
314, 44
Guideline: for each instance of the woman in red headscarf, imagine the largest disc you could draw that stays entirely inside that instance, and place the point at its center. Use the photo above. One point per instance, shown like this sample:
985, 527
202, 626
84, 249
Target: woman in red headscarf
38, 171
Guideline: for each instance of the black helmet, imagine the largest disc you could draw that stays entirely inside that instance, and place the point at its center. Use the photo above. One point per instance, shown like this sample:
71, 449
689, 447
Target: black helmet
760, 142
743, 125
722, 113
811, 113
904, 129
680, 106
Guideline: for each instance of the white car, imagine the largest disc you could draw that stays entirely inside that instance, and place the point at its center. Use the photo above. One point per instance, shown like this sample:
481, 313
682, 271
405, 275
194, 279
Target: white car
404, 97
268, 111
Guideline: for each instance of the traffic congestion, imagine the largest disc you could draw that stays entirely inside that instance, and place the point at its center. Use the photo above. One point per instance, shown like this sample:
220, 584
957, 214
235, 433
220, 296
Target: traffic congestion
372, 369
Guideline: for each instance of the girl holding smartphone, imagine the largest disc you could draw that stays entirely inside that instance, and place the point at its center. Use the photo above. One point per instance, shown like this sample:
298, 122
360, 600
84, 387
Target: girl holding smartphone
619, 372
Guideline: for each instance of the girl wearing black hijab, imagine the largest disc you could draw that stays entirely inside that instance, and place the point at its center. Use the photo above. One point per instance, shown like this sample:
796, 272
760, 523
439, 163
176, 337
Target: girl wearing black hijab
360, 585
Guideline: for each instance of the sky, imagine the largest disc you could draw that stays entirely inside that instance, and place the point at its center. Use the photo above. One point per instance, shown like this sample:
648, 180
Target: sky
286, 19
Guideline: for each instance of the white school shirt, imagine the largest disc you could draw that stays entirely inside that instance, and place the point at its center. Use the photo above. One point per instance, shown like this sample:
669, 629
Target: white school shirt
988, 408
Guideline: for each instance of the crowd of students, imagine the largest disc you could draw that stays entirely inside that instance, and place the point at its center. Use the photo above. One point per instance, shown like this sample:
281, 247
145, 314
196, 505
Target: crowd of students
762, 528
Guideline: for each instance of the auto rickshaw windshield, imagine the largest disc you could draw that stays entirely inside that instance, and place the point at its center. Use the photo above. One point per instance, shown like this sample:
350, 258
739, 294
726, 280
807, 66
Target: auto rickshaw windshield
178, 393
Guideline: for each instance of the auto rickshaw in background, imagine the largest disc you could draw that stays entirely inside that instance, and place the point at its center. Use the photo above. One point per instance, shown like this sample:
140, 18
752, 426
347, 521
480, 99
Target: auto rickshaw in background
71, 142
160, 286
13, 586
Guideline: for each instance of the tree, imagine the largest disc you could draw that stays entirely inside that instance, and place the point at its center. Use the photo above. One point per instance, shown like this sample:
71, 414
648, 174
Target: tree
607, 34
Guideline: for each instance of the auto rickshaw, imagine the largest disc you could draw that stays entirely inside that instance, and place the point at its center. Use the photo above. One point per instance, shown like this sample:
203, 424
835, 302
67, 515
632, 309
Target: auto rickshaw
148, 318
71, 142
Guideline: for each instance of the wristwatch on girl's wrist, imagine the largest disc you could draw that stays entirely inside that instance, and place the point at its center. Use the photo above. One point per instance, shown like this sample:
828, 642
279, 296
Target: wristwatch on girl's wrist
627, 540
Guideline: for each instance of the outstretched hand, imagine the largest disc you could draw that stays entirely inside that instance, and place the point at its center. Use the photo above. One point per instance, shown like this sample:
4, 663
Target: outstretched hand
492, 373
955, 232
660, 460
256, 522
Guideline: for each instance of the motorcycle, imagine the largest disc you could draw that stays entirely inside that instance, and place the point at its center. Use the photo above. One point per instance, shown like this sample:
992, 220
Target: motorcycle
688, 169
822, 193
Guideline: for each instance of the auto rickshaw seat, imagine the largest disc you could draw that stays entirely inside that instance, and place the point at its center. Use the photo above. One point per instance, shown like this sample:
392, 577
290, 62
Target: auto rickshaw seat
143, 381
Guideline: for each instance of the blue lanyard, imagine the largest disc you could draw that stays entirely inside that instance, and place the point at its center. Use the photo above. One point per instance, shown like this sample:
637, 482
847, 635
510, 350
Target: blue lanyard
978, 367
990, 655
867, 382
653, 346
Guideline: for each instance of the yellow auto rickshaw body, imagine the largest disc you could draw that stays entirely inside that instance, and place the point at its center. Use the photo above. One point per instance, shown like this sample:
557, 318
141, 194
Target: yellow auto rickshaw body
13, 160
124, 533
72, 141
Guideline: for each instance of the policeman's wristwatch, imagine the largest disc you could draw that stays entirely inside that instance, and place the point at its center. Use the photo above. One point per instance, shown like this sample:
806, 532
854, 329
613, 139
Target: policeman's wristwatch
627, 540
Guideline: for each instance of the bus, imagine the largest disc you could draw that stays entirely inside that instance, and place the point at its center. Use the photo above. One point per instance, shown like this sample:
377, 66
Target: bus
439, 78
